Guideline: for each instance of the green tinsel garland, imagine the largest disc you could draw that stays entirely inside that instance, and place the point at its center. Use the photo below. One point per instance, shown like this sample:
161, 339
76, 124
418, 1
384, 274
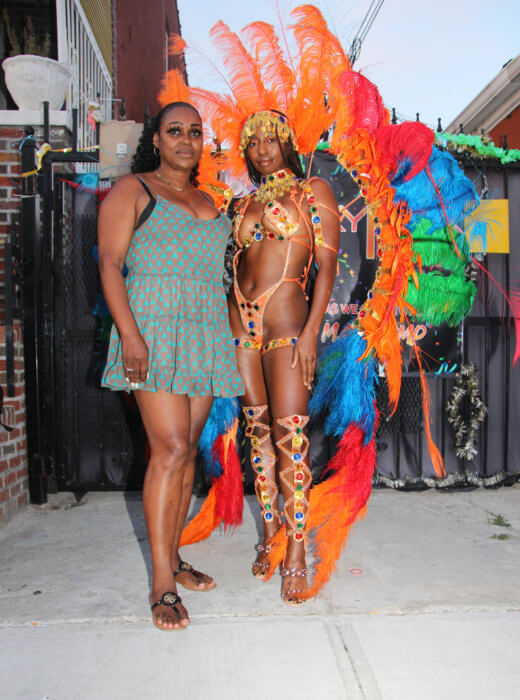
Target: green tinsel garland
466, 387
441, 299
479, 146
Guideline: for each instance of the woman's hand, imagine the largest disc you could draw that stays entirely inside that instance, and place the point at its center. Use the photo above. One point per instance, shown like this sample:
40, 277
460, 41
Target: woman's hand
305, 352
135, 359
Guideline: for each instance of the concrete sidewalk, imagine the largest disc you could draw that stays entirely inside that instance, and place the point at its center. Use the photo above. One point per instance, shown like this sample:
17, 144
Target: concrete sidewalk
425, 604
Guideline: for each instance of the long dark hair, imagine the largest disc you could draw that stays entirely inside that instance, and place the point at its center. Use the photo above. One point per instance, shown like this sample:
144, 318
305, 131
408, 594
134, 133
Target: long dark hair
290, 156
145, 160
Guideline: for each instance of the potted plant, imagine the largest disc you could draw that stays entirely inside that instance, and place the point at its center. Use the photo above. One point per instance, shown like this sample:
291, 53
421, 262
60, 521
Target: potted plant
30, 75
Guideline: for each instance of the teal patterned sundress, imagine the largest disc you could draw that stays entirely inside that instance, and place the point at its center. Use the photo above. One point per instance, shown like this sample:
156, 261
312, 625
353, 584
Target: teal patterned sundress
175, 267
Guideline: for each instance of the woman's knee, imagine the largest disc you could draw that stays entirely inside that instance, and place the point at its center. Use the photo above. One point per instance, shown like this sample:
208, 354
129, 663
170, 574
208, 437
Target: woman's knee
171, 455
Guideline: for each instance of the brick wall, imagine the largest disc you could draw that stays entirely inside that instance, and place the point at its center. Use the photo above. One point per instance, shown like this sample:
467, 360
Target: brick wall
509, 126
14, 483
9, 193
14, 486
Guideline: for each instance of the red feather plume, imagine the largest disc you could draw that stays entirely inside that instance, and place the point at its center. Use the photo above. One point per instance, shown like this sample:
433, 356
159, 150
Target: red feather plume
410, 141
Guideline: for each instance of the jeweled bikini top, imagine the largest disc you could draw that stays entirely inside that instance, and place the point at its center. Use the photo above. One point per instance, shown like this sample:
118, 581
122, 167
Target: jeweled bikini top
283, 222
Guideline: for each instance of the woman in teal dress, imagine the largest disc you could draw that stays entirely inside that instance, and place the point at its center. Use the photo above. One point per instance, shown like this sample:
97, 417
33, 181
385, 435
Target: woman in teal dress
171, 344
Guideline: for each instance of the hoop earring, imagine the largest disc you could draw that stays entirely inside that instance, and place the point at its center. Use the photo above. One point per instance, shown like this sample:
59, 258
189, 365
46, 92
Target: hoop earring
156, 152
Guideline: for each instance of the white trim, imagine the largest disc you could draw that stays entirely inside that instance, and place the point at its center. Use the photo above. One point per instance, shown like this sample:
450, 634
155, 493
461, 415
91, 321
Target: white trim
78, 48
494, 103
61, 28
61, 17
34, 117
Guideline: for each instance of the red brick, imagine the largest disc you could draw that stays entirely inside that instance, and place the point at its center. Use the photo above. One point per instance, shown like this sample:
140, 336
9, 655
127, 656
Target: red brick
15, 462
15, 490
9, 157
12, 132
21, 473
21, 445
15, 169
4, 495
23, 499
8, 206
9, 478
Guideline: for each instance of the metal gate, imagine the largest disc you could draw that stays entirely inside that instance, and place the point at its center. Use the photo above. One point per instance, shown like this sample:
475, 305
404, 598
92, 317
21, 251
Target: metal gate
79, 436
99, 437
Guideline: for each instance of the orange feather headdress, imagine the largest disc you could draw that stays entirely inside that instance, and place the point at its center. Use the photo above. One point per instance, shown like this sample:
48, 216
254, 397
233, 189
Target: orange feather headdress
262, 77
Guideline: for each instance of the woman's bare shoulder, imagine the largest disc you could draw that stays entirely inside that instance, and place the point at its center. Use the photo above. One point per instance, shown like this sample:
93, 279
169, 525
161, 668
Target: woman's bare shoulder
321, 188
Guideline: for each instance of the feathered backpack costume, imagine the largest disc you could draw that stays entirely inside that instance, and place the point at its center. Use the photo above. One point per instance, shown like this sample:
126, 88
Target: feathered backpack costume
418, 200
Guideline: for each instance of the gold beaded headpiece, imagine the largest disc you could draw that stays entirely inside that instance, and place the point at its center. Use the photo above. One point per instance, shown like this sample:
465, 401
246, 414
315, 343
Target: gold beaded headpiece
270, 123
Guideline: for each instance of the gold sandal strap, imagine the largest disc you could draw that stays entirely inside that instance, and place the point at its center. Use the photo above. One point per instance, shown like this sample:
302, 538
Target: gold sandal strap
262, 461
297, 477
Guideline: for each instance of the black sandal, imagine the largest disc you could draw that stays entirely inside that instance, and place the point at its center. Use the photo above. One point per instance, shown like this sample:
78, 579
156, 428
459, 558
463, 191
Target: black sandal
170, 600
184, 566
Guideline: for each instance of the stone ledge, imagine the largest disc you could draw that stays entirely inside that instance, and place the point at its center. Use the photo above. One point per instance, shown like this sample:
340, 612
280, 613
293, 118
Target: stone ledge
30, 117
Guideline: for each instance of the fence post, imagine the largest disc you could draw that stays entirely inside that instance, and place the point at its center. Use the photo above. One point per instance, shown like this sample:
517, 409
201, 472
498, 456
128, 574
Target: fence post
29, 221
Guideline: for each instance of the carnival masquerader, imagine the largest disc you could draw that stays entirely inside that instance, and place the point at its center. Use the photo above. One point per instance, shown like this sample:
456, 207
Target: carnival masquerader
285, 228
171, 342
418, 204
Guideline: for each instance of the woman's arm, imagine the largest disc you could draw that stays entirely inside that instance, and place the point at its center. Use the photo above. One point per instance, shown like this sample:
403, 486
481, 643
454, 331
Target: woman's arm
305, 348
116, 222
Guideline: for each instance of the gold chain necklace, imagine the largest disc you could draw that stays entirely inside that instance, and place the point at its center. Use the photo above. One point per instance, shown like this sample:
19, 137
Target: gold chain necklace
175, 187
275, 184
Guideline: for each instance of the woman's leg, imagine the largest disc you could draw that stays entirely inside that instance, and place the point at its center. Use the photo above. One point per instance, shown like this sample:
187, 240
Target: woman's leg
289, 401
166, 419
200, 407
258, 430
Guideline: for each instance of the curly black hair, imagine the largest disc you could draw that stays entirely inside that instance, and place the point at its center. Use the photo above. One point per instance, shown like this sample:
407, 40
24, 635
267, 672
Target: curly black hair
145, 160
290, 157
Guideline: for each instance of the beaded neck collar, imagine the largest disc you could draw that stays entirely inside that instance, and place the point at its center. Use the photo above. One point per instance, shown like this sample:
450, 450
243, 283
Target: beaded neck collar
275, 184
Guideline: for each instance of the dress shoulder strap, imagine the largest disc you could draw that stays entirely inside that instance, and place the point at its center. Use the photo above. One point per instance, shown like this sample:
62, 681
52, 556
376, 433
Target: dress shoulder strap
147, 211
146, 188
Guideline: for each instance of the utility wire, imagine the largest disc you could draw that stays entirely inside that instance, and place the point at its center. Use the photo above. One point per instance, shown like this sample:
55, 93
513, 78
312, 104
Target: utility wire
364, 28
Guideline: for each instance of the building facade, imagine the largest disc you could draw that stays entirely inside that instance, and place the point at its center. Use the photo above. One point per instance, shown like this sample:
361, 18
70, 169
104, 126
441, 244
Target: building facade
495, 111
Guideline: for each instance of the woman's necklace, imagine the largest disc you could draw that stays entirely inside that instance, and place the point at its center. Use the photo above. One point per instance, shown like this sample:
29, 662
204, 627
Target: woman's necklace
175, 187
272, 186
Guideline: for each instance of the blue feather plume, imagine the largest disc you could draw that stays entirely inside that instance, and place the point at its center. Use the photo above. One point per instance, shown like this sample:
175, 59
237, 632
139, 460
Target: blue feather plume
346, 386
457, 192
222, 416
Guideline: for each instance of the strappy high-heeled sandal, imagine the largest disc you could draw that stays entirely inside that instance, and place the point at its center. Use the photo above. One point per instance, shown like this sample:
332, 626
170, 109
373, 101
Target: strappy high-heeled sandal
262, 462
169, 600
184, 566
291, 596
260, 568
297, 477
